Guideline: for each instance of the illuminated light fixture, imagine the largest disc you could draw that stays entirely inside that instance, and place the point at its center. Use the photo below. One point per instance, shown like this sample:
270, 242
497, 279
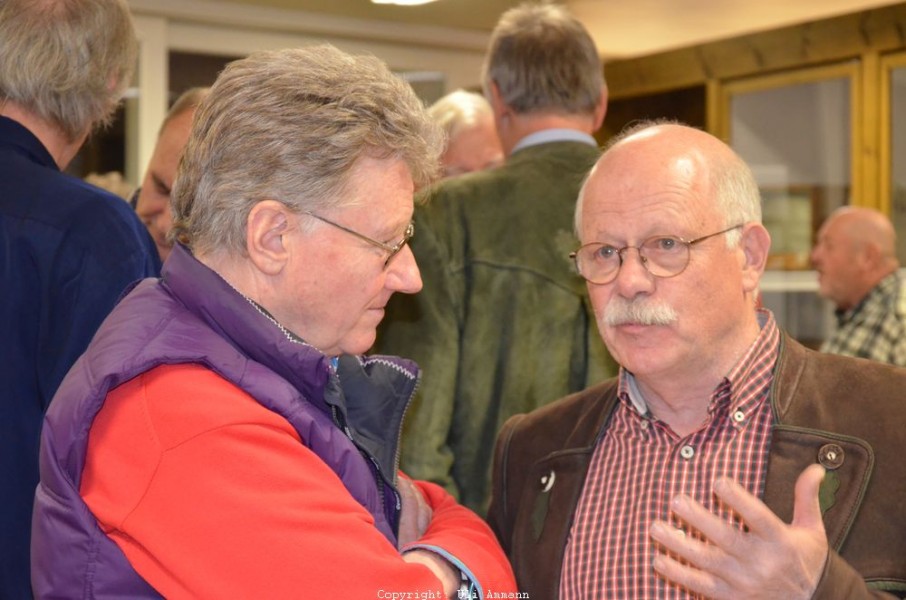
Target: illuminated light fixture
402, 2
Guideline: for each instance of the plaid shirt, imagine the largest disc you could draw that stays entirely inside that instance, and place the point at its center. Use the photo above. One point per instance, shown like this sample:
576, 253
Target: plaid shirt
640, 464
876, 327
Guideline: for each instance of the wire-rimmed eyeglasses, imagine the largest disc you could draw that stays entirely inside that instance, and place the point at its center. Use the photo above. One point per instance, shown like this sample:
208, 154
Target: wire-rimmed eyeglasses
391, 250
662, 255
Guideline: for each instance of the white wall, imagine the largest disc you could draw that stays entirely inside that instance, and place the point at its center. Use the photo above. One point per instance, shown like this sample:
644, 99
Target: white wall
225, 29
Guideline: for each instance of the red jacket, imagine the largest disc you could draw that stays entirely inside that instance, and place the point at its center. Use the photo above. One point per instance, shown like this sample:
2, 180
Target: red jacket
278, 523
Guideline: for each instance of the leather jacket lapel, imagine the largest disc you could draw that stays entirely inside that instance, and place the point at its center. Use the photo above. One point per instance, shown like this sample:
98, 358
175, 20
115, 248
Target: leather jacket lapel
545, 516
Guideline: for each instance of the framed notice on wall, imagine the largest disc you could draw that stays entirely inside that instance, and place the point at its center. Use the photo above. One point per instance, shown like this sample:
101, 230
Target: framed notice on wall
791, 215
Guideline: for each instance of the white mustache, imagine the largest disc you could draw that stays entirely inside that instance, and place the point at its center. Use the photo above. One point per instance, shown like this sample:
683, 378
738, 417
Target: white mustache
620, 311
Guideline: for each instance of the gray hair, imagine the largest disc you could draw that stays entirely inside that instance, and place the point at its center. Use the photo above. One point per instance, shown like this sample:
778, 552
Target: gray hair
289, 125
189, 100
67, 61
732, 184
542, 58
735, 191
459, 110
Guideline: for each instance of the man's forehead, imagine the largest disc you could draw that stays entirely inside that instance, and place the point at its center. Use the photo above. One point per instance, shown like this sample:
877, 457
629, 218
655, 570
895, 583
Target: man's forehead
652, 159
178, 129
679, 181
631, 212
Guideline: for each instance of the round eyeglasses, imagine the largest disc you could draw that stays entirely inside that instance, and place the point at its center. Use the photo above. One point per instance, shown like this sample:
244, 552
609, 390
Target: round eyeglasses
391, 249
662, 255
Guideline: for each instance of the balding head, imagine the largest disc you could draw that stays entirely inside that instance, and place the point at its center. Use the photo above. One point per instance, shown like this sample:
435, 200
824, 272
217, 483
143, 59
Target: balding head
687, 157
856, 249
864, 227
673, 249
472, 140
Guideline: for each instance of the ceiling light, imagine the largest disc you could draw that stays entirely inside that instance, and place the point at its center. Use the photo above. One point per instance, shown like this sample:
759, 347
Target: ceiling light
402, 2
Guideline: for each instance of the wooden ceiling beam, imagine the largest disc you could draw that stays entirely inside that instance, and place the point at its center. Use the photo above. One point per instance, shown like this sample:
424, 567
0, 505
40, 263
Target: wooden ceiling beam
829, 40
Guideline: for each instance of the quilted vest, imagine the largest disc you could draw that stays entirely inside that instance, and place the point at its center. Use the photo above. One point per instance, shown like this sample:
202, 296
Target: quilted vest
347, 413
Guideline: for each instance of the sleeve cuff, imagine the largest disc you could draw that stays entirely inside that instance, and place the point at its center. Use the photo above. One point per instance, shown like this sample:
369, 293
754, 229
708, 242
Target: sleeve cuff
470, 588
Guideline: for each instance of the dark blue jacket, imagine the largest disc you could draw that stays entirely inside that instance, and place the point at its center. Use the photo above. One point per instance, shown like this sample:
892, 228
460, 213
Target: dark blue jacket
193, 315
67, 252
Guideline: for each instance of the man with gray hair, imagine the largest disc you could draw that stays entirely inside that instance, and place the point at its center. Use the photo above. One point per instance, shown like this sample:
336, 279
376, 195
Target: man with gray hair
67, 249
503, 325
224, 436
472, 141
726, 460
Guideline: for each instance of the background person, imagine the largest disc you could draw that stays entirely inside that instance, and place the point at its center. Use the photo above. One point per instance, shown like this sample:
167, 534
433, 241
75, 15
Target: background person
502, 325
223, 430
472, 142
153, 198
726, 460
67, 248
858, 271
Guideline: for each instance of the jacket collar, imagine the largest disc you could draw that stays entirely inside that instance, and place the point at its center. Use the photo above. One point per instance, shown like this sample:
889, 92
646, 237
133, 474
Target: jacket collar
252, 332
366, 397
16, 135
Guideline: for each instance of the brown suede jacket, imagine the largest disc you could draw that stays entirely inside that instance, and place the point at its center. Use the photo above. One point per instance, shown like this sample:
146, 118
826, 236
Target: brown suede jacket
848, 414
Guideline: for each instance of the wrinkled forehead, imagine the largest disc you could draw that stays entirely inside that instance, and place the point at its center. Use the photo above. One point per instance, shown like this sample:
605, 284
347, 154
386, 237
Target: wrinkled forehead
634, 182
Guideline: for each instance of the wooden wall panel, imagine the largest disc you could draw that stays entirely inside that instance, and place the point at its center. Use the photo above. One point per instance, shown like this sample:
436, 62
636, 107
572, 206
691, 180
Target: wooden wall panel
809, 44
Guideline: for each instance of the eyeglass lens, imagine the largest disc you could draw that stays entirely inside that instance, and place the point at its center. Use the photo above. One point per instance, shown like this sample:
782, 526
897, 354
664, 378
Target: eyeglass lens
662, 256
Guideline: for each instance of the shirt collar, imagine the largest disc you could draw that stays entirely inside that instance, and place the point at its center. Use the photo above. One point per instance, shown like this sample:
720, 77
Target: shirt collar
554, 135
886, 286
750, 376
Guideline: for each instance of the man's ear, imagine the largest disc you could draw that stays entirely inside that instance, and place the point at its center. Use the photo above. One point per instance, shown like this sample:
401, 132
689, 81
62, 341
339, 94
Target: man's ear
499, 107
869, 255
600, 110
268, 223
756, 245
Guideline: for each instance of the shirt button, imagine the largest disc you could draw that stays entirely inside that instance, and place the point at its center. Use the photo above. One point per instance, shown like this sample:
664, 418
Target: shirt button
644, 425
739, 416
687, 452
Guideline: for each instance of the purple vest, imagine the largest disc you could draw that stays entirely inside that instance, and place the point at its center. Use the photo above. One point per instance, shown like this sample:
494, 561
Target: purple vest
350, 416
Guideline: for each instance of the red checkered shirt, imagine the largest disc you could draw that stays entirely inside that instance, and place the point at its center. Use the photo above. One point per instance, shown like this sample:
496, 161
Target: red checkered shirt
640, 464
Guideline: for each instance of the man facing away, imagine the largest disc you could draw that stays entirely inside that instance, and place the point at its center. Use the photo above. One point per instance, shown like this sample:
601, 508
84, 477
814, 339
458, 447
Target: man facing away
502, 325
153, 201
67, 249
726, 460
858, 271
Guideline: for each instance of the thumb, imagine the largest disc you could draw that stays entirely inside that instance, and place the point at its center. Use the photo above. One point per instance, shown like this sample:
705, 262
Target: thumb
806, 506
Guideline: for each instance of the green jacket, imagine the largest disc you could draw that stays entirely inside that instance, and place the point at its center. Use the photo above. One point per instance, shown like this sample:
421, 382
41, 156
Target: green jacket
503, 324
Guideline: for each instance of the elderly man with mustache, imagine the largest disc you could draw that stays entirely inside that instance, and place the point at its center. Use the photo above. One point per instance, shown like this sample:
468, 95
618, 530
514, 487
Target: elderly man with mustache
725, 460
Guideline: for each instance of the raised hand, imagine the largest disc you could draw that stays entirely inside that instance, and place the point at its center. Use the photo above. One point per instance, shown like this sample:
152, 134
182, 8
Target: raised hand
772, 559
